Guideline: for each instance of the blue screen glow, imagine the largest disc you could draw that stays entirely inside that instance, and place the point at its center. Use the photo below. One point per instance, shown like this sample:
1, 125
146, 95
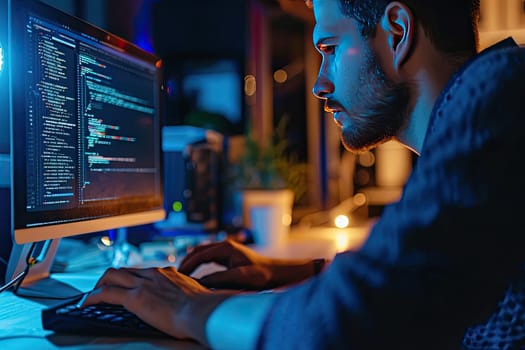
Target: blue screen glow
1, 58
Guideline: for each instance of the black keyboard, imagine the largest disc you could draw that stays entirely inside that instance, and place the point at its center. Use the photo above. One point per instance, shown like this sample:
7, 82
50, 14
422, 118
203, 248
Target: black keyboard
96, 320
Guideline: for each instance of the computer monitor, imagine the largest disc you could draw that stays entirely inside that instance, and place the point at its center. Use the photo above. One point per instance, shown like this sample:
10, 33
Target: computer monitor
85, 115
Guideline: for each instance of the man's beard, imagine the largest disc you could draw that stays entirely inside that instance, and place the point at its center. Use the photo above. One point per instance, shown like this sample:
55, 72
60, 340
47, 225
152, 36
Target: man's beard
380, 109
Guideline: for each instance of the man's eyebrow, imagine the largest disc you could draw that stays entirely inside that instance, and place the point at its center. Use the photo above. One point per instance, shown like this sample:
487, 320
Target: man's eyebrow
322, 40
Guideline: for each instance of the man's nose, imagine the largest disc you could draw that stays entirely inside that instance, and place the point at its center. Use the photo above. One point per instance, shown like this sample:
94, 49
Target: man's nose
323, 86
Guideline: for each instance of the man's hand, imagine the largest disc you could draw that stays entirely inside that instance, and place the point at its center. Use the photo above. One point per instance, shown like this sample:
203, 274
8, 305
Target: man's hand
166, 299
246, 269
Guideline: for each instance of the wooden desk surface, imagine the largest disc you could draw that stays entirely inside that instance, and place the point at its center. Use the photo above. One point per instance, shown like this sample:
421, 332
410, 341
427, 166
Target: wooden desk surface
318, 242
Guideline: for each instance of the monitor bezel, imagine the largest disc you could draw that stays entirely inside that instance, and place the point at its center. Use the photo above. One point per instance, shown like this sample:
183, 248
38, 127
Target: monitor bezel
143, 210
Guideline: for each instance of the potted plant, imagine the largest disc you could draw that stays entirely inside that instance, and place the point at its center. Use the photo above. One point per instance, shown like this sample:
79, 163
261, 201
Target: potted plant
270, 174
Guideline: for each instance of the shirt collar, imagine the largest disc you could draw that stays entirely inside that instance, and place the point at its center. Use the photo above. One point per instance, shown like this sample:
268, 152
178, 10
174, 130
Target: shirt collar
503, 44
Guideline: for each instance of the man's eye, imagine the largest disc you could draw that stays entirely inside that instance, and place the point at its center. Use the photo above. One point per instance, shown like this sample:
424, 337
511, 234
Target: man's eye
327, 49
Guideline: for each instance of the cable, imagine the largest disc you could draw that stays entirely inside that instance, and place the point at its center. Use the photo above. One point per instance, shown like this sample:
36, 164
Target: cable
12, 282
17, 281
30, 262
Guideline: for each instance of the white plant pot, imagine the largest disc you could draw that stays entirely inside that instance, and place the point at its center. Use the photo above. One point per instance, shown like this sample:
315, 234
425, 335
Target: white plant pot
268, 214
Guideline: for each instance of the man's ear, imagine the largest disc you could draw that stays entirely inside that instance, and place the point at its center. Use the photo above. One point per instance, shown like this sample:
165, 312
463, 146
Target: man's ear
398, 24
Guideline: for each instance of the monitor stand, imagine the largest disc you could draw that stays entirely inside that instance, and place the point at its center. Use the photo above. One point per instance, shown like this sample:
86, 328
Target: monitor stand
37, 283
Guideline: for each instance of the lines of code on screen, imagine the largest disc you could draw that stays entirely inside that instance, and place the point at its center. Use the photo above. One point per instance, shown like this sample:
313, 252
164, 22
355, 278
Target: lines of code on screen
90, 121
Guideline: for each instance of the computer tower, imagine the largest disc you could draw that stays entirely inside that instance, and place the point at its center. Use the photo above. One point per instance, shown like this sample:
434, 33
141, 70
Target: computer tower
192, 162
202, 192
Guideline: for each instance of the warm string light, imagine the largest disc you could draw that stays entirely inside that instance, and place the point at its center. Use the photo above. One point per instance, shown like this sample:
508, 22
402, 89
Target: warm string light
341, 221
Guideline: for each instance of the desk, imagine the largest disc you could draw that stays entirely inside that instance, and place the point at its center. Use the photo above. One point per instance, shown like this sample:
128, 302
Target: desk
20, 322
318, 242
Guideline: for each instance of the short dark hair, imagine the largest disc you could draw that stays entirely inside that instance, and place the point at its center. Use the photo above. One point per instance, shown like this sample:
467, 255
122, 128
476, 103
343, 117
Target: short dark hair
452, 25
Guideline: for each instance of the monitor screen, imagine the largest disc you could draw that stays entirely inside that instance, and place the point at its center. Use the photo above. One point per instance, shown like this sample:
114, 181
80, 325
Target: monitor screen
85, 127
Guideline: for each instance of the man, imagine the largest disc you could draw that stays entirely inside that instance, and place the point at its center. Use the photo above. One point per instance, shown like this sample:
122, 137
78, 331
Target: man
443, 268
